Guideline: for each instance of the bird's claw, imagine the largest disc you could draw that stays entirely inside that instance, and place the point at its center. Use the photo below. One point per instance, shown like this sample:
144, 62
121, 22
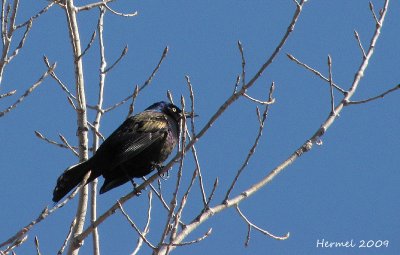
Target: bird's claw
137, 192
164, 175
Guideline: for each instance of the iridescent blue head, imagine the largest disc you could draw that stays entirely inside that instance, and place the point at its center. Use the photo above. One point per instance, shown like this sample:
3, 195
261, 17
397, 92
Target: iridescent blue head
169, 109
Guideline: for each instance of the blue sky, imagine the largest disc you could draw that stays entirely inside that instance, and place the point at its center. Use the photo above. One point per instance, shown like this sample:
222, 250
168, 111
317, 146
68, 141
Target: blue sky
346, 189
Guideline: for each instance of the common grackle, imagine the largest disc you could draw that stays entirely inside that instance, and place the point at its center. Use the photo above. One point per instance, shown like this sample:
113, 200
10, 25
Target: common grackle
133, 150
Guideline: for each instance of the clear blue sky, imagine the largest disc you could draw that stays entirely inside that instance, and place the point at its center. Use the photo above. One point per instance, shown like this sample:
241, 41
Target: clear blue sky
346, 189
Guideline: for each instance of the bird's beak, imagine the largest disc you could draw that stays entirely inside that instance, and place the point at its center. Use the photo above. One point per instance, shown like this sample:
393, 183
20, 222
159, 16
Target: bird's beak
190, 114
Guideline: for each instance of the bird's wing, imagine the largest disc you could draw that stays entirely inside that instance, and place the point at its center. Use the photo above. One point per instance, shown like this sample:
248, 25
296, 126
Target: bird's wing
134, 135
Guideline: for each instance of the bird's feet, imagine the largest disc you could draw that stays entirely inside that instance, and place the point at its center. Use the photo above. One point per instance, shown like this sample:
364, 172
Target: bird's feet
159, 168
137, 192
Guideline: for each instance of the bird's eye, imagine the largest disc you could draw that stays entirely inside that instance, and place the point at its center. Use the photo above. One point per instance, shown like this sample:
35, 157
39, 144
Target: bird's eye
174, 109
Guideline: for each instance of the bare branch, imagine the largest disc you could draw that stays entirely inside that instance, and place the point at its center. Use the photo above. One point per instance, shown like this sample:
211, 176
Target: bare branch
11, 27
8, 94
44, 213
371, 8
15, 245
249, 228
94, 129
63, 86
120, 13
207, 234
4, 18
147, 226
259, 101
27, 92
173, 228
37, 245
265, 232
145, 84
22, 42
359, 43
243, 76
64, 245
198, 169
170, 97
132, 104
236, 84
21, 234
71, 102
331, 85
93, 5
210, 197
150, 79
255, 144
64, 140
89, 44
37, 15
81, 115
291, 57
373, 98
123, 53
41, 136
142, 235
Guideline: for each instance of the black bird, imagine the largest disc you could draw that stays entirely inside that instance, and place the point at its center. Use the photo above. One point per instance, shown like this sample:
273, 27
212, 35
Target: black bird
133, 150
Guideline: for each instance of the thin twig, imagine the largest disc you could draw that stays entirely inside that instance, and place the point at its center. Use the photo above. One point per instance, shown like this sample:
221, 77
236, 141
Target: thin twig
142, 236
37, 15
160, 196
89, 44
371, 8
63, 86
373, 98
170, 97
198, 169
207, 234
120, 13
37, 245
317, 73
15, 245
21, 42
27, 92
243, 76
271, 101
249, 228
146, 227
359, 43
4, 18
210, 197
65, 141
8, 94
255, 144
64, 146
173, 204
21, 234
331, 85
132, 104
144, 85
64, 245
265, 232
93, 5
150, 78
123, 53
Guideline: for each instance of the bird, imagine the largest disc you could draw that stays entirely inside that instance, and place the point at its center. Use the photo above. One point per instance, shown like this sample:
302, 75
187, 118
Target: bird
136, 148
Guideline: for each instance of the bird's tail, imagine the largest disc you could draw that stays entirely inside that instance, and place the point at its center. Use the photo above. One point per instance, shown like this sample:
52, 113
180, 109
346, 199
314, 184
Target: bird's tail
71, 177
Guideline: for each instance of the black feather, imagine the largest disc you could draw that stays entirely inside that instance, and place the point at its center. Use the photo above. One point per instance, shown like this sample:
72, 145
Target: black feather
133, 150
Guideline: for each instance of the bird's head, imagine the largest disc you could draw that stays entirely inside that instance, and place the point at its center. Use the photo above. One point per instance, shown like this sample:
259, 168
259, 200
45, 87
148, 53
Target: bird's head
170, 109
